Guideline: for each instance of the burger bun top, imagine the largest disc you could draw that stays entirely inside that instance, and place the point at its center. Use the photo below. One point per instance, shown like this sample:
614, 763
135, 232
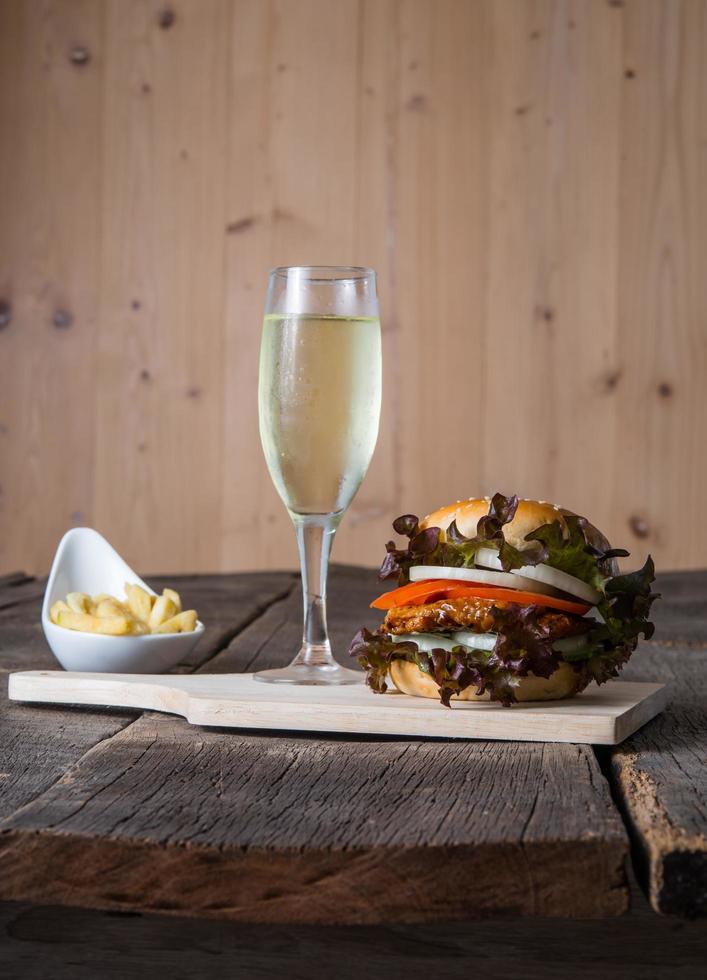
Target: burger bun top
530, 515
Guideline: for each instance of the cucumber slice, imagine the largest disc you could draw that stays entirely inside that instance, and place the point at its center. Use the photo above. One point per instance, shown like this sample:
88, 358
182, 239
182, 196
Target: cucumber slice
447, 641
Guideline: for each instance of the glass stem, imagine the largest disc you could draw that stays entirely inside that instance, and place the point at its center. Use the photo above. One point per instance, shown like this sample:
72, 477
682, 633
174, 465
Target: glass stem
315, 535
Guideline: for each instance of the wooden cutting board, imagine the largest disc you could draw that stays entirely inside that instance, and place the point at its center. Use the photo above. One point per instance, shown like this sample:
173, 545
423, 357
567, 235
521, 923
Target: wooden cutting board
600, 715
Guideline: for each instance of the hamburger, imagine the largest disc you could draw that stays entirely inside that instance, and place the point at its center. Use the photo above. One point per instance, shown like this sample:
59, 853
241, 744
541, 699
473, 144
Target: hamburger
505, 600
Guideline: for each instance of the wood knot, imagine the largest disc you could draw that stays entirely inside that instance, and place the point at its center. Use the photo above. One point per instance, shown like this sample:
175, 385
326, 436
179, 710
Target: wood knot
281, 214
166, 18
534, 35
416, 103
62, 319
136, 304
194, 392
665, 390
545, 313
5, 313
79, 55
145, 376
611, 379
522, 110
639, 526
629, 73
145, 88
234, 227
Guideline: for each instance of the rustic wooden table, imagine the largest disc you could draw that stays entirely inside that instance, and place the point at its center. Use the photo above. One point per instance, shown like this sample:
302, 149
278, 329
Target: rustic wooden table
139, 813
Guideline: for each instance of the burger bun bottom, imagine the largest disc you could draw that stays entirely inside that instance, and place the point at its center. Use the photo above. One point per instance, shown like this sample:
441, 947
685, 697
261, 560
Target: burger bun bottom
563, 683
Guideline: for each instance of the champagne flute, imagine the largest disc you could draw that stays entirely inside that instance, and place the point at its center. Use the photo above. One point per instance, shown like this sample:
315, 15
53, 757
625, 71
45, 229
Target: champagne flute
319, 399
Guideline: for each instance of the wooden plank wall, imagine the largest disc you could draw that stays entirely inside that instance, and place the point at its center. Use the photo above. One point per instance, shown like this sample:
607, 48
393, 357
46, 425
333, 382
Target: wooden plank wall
529, 177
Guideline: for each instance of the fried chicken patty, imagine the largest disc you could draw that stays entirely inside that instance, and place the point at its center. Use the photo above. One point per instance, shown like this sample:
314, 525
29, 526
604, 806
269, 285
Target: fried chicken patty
470, 613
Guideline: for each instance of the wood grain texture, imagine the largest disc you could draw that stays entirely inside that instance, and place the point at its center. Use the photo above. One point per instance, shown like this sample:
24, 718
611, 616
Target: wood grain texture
441, 262
528, 180
552, 148
597, 716
227, 604
50, 235
175, 820
660, 775
164, 817
661, 346
37, 745
160, 341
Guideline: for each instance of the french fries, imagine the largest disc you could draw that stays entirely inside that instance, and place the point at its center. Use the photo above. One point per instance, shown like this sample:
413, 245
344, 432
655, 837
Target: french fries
139, 602
85, 623
79, 602
175, 597
138, 614
108, 607
162, 610
183, 622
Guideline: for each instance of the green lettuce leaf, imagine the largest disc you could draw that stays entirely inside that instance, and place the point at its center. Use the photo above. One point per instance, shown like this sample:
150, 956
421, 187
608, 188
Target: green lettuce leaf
569, 553
625, 607
625, 599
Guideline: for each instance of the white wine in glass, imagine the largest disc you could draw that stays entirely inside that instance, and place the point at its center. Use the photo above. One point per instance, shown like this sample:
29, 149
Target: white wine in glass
319, 399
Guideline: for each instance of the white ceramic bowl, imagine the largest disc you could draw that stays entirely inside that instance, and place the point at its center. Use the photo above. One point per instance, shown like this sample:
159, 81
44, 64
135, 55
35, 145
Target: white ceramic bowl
85, 562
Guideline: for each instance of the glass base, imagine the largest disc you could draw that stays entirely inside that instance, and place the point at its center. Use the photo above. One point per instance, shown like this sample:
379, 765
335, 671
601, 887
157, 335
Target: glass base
310, 674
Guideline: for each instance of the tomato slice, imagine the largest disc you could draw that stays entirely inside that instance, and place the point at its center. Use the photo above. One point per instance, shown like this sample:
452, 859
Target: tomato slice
433, 590
414, 593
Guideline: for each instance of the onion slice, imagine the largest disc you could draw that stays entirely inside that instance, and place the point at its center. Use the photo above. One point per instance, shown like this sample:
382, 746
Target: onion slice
488, 557
478, 576
545, 574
